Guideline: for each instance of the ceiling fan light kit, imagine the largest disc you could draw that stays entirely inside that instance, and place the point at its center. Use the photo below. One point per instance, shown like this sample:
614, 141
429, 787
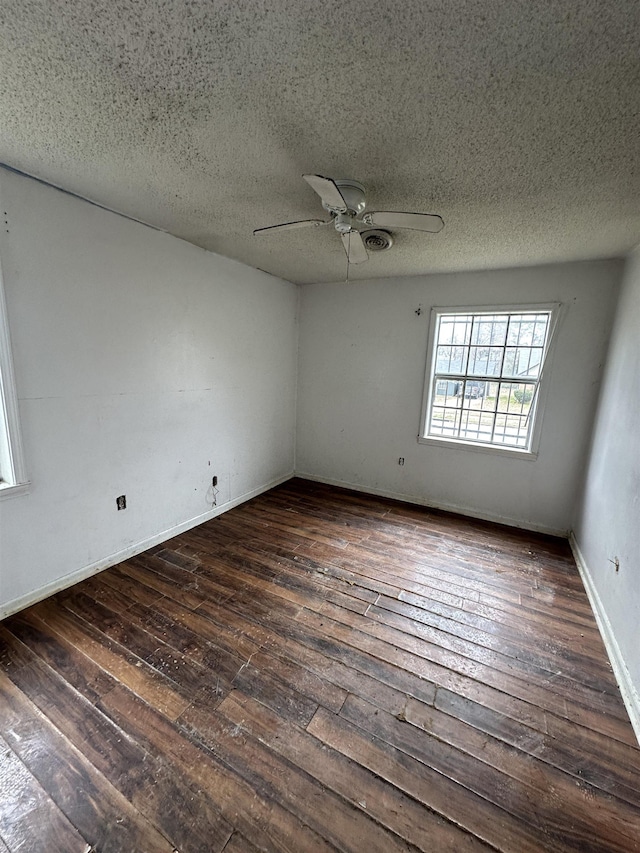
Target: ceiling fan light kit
345, 201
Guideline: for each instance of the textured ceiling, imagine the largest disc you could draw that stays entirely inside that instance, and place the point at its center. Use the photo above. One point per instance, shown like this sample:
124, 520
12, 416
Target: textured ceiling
516, 120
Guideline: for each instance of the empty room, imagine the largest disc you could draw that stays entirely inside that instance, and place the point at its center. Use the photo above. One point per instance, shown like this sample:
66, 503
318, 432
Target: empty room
319, 426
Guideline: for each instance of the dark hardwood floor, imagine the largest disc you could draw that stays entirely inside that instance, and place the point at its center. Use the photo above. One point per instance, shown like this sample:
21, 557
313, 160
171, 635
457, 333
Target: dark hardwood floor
318, 670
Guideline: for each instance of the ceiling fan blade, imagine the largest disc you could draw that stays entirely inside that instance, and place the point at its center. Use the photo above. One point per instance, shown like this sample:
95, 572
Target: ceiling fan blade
354, 247
328, 192
417, 221
289, 226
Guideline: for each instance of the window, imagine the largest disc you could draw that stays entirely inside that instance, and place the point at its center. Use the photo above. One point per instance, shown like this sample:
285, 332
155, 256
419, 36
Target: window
13, 479
484, 375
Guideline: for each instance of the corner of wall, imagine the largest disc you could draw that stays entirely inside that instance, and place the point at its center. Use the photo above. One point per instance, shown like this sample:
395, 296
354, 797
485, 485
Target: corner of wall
297, 377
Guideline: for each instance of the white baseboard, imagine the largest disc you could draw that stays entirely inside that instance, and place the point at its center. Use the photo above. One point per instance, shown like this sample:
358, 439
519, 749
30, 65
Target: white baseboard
419, 501
130, 551
629, 693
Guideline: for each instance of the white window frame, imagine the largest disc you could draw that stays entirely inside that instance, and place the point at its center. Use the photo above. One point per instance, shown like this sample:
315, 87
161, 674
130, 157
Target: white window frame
13, 471
539, 401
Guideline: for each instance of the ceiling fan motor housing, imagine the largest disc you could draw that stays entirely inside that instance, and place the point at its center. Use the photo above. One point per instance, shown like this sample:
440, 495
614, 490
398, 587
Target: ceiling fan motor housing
353, 194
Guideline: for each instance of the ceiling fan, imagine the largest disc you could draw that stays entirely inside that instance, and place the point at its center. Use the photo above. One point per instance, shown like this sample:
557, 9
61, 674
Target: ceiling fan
345, 202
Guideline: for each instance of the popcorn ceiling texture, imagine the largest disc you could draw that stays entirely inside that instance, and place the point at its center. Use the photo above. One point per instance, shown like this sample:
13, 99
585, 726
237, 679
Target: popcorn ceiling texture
518, 121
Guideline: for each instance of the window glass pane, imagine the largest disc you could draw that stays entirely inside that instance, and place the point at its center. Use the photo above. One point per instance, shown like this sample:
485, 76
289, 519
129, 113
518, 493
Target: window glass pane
461, 332
490, 395
448, 392
514, 396
489, 329
509, 367
445, 330
528, 329
485, 361
499, 330
521, 327
445, 421
530, 361
522, 361
540, 330
451, 359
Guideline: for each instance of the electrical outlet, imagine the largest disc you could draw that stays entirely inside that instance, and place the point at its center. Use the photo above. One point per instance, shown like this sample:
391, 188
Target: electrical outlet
121, 502
214, 481
401, 460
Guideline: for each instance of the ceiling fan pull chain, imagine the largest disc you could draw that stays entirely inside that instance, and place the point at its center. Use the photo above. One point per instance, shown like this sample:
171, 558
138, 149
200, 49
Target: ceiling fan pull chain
348, 253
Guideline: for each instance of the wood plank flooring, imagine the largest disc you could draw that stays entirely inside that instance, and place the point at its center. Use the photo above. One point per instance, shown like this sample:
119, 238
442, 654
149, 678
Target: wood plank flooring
318, 670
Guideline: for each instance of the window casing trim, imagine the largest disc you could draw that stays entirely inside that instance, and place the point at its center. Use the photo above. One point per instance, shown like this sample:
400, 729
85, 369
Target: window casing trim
13, 472
556, 312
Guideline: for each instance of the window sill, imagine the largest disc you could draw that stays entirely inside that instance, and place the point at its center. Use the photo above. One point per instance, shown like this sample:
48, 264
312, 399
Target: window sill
8, 490
453, 444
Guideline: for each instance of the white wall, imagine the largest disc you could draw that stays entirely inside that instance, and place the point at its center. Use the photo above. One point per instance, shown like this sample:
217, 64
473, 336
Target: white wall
607, 523
361, 377
144, 366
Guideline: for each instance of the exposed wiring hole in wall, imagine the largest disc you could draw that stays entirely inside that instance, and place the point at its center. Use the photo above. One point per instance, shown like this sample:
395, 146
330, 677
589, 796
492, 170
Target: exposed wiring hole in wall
212, 496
